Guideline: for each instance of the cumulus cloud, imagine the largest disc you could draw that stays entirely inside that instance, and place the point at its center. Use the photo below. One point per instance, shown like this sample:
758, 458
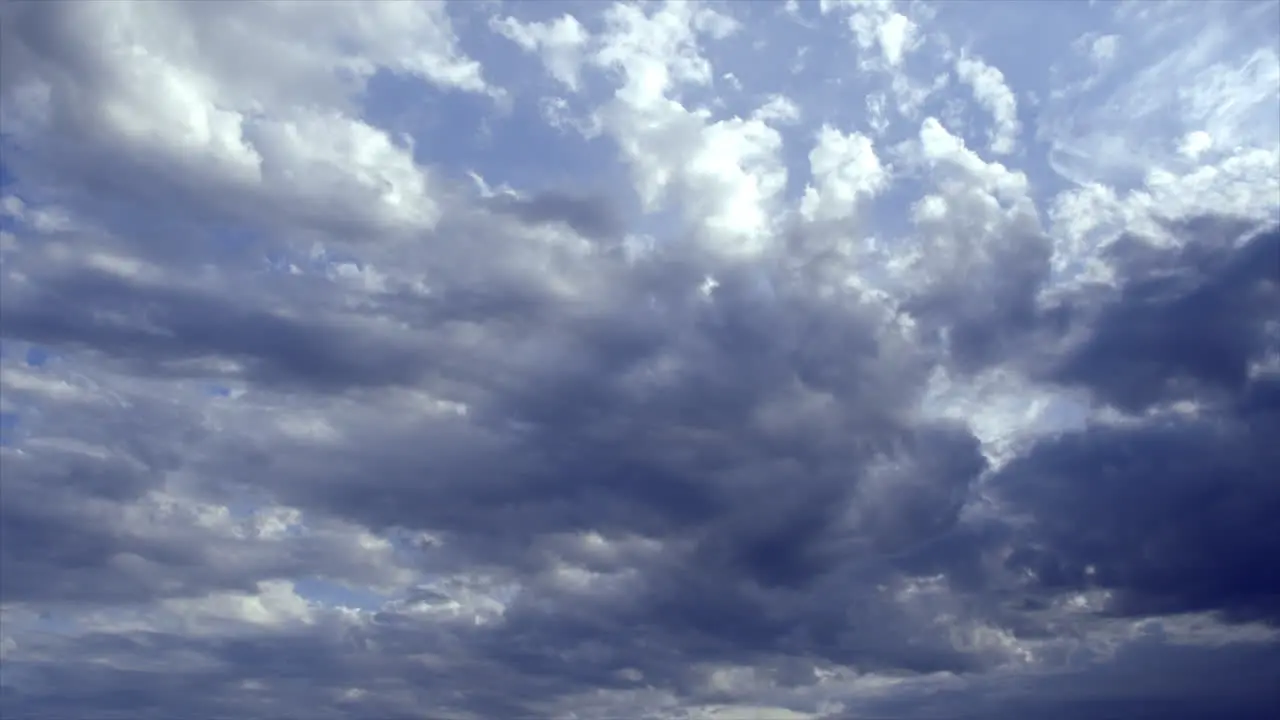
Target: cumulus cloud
992, 94
777, 410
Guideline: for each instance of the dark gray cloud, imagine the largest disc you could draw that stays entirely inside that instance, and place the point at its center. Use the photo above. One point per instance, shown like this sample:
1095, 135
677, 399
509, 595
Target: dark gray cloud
590, 217
778, 539
300, 450
1189, 322
158, 329
1006, 320
1171, 510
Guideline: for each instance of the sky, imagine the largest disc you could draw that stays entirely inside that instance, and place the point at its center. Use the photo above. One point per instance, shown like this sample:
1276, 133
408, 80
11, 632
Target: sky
649, 360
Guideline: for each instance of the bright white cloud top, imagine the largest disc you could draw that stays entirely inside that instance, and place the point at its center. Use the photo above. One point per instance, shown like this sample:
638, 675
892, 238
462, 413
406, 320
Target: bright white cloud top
650, 360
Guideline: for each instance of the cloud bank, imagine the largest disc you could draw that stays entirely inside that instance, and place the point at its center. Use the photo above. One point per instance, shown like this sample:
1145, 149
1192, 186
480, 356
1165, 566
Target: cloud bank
665, 360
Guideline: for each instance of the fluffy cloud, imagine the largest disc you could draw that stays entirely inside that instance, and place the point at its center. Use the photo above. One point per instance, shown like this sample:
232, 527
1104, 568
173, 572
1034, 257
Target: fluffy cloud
782, 411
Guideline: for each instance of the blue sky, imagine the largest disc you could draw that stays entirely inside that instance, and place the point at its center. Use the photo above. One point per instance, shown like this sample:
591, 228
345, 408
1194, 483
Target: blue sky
646, 359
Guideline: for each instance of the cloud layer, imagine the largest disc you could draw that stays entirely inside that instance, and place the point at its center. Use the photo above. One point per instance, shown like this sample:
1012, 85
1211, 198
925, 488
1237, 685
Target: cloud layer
410, 360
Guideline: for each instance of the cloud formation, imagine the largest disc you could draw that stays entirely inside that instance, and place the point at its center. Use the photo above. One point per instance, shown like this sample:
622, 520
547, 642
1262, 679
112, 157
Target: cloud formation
318, 402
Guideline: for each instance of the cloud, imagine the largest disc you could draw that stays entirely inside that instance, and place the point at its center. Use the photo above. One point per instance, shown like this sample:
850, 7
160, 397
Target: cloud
1190, 324
1124, 100
991, 92
773, 410
876, 26
560, 42
1174, 488
845, 166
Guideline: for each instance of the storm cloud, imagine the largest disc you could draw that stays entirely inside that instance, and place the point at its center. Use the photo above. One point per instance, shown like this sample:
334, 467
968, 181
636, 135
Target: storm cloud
304, 418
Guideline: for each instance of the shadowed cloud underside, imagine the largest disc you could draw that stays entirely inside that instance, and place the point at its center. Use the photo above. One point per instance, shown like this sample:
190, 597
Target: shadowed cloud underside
668, 360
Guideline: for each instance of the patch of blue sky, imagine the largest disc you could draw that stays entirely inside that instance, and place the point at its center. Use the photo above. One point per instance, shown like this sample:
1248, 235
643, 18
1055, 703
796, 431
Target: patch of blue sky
231, 244
27, 354
336, 594
504, 144
48, 622
7, 177
789, 60
10, 426
1032, 70
217, 391
37, 356
242, 506
807, 57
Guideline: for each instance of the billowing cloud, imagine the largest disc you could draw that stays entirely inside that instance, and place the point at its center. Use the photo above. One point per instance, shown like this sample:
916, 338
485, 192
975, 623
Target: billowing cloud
380, 360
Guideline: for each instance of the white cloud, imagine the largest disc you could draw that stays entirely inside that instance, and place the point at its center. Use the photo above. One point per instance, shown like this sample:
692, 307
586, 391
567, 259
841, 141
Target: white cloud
1195, 143
275, 603
1103, 49
877, 27
728, 171
992, 94
846, 169
561, 43
1196, 70
778, 109
244, 105
941, 149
